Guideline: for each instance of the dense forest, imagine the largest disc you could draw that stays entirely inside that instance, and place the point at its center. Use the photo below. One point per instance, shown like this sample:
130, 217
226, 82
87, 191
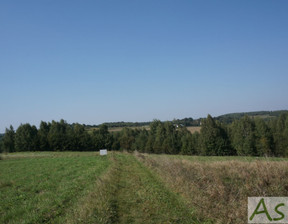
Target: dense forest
249, 136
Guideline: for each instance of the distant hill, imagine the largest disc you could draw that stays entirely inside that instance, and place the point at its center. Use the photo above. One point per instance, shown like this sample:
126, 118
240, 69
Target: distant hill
266, 115
187, 122
121, 124
190, 122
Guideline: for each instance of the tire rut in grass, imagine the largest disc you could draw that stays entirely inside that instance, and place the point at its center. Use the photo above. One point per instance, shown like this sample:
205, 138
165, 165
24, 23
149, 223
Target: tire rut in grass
129, 192
142, 198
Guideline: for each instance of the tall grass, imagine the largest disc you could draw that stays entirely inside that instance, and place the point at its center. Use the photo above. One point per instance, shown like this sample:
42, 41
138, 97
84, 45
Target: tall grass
219, 190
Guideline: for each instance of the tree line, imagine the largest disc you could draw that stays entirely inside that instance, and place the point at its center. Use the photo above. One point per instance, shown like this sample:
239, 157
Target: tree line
266, 115
185, 121
244, 137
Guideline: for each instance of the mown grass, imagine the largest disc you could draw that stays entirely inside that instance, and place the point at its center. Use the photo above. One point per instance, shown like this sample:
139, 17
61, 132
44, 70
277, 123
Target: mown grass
218, 190
143, 198
97, 206
37, 154
42, 187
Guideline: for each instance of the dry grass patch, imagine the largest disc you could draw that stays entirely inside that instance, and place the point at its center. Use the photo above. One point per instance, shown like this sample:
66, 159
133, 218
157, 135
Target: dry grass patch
219, 190
194, 129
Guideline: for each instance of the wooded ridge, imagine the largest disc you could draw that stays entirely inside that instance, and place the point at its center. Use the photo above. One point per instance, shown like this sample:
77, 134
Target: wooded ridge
247, 135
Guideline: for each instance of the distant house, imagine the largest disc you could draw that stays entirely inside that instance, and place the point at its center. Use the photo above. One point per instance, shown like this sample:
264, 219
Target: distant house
179, 125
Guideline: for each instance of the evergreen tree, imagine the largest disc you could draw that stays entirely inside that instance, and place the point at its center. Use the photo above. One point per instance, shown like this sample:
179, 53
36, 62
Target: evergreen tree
281, 135
172, 139
243, 137
9, 140
159, 139
196, 143
187, 147
1, 143
214, 139
149, 148
190, 143
154, 125
225, 141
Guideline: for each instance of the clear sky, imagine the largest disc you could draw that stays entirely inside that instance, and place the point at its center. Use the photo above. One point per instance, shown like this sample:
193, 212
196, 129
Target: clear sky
101, 61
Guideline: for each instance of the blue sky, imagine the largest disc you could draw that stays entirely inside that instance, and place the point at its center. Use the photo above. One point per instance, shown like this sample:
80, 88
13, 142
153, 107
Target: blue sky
99, 61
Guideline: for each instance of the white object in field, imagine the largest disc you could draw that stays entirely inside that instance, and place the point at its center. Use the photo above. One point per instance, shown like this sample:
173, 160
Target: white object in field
103, 152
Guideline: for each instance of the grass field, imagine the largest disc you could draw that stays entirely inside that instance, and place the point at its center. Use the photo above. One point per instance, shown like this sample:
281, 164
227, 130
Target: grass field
82, 187
117, 129
41, 187
218, 187
194, 129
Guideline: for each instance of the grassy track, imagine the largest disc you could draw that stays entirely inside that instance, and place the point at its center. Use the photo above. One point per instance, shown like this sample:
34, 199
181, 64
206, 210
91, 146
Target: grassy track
130, 193
142, 198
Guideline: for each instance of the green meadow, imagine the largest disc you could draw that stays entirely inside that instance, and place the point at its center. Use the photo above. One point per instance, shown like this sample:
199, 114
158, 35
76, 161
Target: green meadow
84, 187
42, 187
